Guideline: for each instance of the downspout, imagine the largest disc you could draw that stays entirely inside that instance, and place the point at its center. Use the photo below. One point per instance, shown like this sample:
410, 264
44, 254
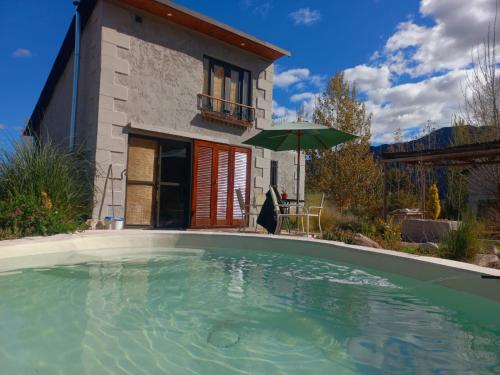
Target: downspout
76, 71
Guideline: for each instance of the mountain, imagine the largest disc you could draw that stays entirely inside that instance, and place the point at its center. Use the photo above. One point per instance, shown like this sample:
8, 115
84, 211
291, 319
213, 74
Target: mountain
440, 138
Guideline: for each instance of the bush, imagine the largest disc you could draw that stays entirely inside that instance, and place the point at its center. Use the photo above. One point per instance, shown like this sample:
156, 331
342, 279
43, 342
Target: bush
43, 190
337, 234
464, 243
433, 203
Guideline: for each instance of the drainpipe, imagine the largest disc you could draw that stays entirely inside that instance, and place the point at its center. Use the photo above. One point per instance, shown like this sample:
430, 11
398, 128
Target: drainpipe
76, 71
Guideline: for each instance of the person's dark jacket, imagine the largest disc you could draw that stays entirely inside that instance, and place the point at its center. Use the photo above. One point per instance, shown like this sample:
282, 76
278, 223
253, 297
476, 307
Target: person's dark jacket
267, 217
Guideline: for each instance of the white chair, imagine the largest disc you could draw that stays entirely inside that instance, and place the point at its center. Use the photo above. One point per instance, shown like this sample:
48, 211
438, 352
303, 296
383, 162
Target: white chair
317, 214
245, 211
280, 216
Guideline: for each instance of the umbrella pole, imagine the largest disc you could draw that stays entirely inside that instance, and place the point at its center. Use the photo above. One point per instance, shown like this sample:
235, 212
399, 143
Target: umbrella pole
298, 168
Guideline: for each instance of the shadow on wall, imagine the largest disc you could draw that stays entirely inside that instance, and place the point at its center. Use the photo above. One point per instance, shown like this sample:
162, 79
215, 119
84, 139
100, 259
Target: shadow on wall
215, 126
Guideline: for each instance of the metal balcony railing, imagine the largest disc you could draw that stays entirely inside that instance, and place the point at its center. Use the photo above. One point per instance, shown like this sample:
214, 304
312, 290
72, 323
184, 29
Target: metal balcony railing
226, 111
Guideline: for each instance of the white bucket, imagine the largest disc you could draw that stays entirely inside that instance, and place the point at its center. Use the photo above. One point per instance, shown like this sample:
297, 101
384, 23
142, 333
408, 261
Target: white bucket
114, 223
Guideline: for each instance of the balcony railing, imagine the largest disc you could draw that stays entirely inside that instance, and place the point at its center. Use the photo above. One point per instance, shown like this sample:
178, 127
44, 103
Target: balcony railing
226, 111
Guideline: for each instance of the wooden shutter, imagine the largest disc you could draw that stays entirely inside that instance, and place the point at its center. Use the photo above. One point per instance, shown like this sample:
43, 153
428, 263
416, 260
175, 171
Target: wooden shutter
218, 171
202, 184
223, 174
141, 177
241, 178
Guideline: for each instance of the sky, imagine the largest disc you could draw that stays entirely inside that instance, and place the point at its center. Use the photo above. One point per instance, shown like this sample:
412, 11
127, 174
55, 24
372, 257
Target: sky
408, 58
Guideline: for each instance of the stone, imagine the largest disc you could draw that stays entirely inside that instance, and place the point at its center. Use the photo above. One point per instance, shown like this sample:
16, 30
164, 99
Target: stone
485, 260
362, 240
492, 249
428, 247
495, 265
426, 230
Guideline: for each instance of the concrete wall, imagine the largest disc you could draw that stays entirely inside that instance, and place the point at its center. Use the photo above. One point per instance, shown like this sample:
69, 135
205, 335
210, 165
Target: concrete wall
151, 74
55, 124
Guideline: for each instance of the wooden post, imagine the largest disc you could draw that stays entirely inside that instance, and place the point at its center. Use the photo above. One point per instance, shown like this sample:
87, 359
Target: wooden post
422, 186
384, 211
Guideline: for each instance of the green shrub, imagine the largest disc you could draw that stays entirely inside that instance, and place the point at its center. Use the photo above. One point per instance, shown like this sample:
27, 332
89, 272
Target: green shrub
464, 243
433, 203
337, 234
43, 190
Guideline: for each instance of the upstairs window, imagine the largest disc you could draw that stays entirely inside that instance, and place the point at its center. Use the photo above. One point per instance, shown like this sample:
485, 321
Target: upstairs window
227, 91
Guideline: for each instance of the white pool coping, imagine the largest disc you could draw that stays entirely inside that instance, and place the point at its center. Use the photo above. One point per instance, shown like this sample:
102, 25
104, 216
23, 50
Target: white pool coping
80, 247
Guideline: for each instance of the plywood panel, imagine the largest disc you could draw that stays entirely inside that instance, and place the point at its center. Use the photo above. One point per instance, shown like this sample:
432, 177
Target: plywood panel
141, 180
139, 205
142, 159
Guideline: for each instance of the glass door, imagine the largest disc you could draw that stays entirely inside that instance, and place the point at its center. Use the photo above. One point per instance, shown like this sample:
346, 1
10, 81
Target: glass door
174, 184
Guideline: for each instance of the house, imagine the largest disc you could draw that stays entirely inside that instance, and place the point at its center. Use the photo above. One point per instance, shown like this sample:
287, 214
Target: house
166, 97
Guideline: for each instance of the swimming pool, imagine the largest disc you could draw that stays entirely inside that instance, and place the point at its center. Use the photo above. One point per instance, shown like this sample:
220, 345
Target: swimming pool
156, 309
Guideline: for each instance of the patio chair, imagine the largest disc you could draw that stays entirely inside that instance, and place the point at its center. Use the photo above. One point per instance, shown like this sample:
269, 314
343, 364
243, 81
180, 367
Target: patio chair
282, 211
245, 211
310, 213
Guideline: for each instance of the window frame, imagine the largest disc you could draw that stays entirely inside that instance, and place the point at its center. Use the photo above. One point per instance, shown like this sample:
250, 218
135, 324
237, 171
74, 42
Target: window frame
208, 80
274, 173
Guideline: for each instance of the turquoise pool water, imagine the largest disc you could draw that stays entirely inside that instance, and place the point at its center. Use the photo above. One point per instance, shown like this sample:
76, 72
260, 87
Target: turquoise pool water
235, 312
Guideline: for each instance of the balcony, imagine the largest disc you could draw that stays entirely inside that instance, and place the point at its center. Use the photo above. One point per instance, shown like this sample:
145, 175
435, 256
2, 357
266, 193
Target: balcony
226, 111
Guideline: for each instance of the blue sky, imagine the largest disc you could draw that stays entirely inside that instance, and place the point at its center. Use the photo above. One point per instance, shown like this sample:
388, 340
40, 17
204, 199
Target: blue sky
393, 49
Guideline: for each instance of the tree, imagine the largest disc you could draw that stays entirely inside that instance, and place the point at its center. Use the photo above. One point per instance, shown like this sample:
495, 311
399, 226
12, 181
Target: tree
433, 204
482, 87
457, 184
482, 97
347, 174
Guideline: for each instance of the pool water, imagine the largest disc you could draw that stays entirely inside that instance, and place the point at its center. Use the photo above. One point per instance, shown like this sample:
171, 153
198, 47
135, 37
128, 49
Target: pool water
221, 312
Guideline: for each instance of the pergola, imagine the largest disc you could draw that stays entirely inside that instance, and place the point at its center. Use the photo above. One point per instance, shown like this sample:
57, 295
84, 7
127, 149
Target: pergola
470, 156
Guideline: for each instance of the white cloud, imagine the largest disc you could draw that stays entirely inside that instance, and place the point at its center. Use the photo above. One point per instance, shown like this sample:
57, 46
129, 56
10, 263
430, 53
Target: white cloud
262, 9
369, 78
419, 74
257, 7
305, 16
422, 50
298, 76
281, 113
411, 105
21, 53
307, 100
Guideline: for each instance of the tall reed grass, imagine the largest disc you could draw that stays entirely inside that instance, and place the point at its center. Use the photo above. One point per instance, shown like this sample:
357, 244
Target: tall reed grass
43, 189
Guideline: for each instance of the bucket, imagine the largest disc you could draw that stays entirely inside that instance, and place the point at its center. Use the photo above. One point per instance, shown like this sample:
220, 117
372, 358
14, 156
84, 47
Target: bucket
114, 223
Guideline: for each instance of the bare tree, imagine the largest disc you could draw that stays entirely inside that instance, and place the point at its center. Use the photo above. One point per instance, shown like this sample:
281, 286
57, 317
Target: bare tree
481, 93
482, 86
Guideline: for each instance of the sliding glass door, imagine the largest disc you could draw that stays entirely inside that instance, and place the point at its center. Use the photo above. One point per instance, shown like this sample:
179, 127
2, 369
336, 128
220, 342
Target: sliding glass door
174, 184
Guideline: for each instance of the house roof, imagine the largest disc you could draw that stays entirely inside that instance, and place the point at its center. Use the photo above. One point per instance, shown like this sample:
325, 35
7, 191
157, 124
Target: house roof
163, 8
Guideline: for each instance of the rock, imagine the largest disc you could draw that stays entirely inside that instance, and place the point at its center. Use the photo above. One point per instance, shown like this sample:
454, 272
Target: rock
361, 240
429, 247
426, 230
495, 265
485, 260
492, 249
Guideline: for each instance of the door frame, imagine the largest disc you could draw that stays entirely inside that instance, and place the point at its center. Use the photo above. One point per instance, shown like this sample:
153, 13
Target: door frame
159, 183
231, 223
156, 184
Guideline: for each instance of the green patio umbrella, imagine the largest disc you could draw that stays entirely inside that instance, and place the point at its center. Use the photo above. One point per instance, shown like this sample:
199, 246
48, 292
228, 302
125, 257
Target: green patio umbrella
299, 136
